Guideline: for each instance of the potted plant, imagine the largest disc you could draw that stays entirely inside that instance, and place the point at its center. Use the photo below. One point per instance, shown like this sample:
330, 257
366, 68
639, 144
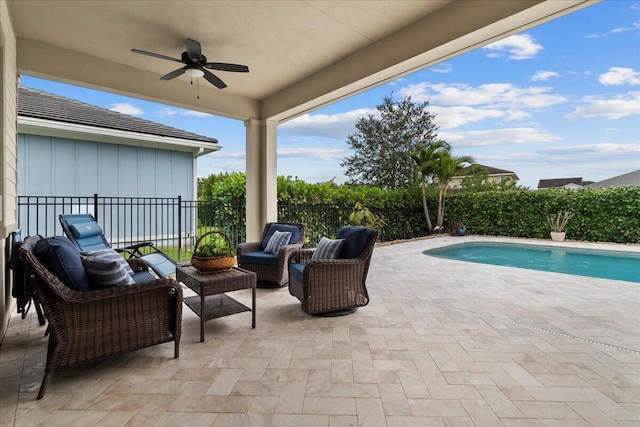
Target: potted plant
215, 254
558, 223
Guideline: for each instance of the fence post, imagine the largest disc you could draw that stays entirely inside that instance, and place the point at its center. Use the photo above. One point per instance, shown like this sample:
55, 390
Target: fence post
95, 206
179, 226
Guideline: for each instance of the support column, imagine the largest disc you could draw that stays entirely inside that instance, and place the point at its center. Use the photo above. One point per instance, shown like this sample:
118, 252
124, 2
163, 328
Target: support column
262, 173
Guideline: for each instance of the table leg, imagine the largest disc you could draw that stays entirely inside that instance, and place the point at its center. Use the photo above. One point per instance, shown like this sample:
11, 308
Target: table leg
253, 307
202, 312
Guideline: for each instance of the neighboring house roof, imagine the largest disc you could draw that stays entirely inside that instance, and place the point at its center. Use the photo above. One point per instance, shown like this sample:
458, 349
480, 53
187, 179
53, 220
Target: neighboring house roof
43, 106
631, 178
490, 170
560, 182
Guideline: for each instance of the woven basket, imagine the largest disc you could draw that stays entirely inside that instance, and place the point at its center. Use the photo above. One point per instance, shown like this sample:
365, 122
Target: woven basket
217, 263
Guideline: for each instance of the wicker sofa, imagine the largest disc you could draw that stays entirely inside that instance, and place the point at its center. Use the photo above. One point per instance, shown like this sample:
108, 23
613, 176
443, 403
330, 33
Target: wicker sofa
271, 267
89, 325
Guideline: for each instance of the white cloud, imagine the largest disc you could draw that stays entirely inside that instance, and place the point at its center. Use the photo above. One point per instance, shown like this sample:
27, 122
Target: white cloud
126, 108
620, 76
620, 106
442, 68
506, 136
617, 30
544, 75
195, 113
453, 117
496, 95
224, 154
325, 125
313, 153
520, 46
167, 112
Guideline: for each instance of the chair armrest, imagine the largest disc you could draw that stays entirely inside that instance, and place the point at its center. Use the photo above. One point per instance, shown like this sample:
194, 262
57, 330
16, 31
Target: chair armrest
134, 250
247, 247
302, 255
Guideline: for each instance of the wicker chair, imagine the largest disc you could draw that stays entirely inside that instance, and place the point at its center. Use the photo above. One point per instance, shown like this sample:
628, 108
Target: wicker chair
268, 267
89, 325
334, 287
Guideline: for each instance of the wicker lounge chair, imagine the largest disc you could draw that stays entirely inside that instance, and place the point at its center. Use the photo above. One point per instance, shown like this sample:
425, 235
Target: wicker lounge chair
84, 231
89, 325
271, 267
334, 286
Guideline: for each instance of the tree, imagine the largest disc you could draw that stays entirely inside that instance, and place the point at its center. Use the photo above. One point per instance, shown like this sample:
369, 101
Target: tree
384, 142
425, 159
446, 167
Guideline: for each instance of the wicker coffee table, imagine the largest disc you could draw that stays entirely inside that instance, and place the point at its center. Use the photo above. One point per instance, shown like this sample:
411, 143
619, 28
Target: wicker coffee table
211, 302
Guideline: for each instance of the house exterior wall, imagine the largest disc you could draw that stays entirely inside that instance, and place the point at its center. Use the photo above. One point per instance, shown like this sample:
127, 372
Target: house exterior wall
456, 182
52, 166
8, 163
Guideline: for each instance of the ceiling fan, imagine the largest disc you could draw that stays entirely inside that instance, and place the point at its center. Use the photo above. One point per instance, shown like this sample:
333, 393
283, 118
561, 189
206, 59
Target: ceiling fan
196, 64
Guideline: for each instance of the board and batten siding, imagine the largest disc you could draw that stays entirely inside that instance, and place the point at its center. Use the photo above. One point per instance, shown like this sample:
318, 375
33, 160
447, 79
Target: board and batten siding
52, 166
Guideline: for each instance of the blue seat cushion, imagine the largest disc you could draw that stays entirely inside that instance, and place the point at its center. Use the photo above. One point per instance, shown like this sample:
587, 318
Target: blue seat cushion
259, 257
297, 270
295, 233
355, 240
62, 258
143, 276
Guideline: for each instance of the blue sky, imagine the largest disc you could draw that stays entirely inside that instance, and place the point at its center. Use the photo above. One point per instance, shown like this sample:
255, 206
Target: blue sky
556, 101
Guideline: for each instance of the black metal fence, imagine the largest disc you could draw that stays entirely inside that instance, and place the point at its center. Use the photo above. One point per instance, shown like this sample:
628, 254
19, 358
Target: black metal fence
173, 224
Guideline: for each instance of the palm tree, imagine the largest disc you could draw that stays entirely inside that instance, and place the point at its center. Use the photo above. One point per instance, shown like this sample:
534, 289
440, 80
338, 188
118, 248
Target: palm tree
425, 158
445, 168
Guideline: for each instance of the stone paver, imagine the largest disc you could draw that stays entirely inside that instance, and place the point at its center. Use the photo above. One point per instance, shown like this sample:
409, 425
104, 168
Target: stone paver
441, 343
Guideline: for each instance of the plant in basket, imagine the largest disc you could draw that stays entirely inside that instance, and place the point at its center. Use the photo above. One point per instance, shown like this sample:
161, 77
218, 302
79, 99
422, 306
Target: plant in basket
213, 252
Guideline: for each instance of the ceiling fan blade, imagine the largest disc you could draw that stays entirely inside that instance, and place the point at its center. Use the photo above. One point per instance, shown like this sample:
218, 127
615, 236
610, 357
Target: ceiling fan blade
156, 55
213, 79
227, 67
194, 50
174, 74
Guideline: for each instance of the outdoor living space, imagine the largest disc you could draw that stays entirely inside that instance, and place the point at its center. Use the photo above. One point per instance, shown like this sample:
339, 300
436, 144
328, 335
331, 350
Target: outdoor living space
442, 343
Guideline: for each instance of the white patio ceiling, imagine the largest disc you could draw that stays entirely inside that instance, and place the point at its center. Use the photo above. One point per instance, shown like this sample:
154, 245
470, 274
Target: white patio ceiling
301, 54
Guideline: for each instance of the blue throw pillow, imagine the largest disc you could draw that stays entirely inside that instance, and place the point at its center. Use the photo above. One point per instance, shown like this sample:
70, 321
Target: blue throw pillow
295, 233
277, 240
62, 258
327, 249
356, 238
106, 273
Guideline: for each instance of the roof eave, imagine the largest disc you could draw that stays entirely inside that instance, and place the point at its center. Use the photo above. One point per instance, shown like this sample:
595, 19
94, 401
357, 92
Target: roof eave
35, 126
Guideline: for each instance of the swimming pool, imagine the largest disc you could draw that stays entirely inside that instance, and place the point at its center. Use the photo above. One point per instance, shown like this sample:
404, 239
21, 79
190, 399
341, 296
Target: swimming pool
584, 262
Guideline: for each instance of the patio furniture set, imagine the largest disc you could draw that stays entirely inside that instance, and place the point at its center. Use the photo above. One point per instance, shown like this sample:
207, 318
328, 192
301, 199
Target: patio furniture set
99, 304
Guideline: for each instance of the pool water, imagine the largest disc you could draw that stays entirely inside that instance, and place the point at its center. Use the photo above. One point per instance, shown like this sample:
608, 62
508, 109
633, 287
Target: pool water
584, 262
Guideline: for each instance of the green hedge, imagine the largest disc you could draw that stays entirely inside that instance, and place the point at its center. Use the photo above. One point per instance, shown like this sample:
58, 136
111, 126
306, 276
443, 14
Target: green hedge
600, 215
604, 215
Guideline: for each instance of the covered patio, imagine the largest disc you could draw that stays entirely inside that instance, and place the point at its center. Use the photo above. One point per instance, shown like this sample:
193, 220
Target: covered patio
302, 55
442, 343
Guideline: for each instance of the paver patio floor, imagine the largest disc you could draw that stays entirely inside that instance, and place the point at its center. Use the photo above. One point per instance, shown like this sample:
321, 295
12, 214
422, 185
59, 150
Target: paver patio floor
442, 343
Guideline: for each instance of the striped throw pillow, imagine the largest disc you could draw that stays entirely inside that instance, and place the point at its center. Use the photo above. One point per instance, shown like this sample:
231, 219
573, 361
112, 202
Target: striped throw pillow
327, 248
279, 238
109, 254
105, 273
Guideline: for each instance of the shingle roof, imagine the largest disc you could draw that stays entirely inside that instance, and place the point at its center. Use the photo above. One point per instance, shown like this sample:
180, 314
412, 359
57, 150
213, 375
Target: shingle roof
631, 178
42, 105
490, 169
559, 182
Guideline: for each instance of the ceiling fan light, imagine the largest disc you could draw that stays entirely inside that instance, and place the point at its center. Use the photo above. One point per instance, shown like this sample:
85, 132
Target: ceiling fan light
194, 73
